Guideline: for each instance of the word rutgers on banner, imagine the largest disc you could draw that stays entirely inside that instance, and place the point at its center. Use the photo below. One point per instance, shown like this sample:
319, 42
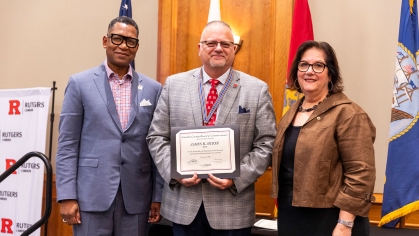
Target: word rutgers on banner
23, 129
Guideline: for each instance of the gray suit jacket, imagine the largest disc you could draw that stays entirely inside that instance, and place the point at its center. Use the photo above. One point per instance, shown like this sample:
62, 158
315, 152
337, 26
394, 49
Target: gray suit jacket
179, 106
95, 155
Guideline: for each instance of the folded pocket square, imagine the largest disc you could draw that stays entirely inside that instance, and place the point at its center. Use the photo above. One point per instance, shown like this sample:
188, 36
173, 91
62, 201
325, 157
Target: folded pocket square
243, 110
144, 103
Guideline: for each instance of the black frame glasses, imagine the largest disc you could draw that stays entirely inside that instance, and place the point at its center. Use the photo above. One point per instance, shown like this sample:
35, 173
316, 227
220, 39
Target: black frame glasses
118, 39
223, 44
317, 67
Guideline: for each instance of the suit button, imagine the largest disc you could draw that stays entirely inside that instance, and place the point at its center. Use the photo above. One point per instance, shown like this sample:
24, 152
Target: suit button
122, 163
123, 140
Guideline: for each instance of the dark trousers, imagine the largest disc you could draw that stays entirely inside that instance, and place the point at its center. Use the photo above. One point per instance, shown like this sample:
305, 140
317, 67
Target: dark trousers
311, 221
116, 221
200, 226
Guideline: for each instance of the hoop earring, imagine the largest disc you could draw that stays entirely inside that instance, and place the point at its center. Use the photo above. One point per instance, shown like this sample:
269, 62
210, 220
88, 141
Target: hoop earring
331, 87
295, 85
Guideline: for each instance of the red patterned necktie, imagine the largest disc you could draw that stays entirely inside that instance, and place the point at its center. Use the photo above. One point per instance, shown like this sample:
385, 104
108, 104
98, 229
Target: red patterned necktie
211, 98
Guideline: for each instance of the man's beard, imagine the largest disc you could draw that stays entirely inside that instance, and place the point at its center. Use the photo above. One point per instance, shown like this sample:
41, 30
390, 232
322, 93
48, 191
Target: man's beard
217, 63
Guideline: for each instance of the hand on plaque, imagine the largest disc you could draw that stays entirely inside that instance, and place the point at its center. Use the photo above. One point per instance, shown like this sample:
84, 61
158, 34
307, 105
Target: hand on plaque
219, 183
188, 182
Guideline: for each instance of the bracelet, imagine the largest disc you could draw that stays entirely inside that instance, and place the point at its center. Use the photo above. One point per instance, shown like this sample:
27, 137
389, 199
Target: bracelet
346, 223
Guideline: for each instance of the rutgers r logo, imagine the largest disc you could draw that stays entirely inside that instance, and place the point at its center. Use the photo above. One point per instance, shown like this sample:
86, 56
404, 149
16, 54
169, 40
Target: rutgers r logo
6, 226
14, 107
9, 163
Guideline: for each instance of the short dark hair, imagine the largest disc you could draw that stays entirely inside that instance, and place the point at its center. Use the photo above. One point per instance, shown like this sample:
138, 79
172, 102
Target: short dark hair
331, 61
125, 20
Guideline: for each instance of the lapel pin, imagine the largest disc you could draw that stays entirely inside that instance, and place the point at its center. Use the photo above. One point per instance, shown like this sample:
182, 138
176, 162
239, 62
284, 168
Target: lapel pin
140, 87
234, 85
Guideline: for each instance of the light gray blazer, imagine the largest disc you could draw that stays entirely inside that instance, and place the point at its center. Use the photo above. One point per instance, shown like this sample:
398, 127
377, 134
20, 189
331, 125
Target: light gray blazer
179, 106
95, 155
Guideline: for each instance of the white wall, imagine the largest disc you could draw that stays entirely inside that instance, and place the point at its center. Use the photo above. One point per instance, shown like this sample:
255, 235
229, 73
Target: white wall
48, 40
364, 35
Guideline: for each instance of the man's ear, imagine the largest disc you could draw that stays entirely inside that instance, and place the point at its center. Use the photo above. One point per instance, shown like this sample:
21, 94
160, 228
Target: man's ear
104, 41
199, 49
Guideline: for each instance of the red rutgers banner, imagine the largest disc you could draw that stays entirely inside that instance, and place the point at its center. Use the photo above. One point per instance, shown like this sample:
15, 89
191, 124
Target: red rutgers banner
23, 128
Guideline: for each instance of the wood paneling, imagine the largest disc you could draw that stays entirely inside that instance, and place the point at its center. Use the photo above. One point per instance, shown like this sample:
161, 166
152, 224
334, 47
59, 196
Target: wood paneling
179, 33
281, 31
264, 204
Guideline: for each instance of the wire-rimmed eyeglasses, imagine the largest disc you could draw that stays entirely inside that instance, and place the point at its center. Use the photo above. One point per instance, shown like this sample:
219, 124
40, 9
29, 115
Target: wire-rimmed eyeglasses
224, 44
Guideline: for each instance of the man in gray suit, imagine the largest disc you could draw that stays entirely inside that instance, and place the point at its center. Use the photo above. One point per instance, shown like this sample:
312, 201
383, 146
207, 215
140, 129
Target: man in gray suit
107, 183
214, 206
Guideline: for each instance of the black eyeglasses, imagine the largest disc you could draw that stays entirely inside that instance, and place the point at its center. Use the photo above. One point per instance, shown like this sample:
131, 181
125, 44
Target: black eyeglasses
119, 39
224, 44
318, 67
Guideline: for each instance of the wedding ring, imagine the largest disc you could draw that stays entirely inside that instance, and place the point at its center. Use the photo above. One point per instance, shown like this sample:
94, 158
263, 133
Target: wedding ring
64, 221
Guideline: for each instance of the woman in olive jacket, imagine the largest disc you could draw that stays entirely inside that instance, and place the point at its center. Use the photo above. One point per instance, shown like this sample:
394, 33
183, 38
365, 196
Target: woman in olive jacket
323, 158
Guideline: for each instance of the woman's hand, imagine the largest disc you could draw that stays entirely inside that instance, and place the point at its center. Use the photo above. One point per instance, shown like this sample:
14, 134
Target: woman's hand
341, 230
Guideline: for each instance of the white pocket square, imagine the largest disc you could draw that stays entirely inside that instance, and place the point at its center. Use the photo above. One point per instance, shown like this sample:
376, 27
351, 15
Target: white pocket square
144, 103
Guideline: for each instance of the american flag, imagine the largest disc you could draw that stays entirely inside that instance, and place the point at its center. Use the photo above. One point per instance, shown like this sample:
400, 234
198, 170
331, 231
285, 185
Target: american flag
409, 69
126, 10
